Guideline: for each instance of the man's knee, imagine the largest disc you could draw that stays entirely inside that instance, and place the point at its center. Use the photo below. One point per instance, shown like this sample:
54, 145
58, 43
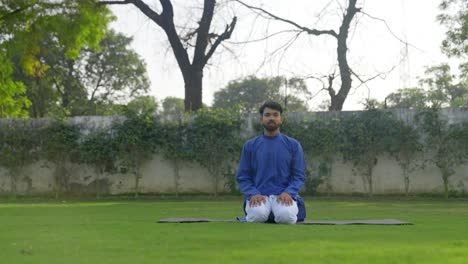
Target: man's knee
258, 213
286, 214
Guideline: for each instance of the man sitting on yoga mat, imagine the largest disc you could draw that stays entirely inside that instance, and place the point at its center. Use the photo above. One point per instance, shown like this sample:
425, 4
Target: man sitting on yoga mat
271, 172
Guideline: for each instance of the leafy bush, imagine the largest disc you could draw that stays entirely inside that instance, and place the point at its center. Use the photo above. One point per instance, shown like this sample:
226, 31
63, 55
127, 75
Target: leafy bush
19, 147
60, 141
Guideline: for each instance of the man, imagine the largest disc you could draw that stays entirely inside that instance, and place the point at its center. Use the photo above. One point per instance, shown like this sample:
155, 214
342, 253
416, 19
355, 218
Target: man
271, 172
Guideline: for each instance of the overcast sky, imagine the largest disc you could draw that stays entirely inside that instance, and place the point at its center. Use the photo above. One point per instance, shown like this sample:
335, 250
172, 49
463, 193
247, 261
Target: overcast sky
373, 49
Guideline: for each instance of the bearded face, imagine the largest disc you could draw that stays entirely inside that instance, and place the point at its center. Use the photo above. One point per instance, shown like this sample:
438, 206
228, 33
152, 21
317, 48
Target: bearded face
271, 119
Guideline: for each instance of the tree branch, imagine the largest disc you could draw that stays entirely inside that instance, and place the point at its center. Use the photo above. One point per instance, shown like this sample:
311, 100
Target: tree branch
124, 2
203, 32
226, 35
306, 29
390, 30
14, 12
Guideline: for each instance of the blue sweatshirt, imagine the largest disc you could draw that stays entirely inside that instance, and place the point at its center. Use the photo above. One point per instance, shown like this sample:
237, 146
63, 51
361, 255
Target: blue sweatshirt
271, 165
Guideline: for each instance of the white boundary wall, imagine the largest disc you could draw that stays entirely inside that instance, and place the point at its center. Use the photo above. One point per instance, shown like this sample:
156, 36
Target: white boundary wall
158, 175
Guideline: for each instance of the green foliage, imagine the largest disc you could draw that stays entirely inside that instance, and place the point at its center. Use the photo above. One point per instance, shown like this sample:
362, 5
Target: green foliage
320, 141
115, 73
251, 92
175, 146
173, 107
24, 24
455, 18
445, 144
443, 89
19, 145
60, 141
88, 85
98, 149
406, 148
214, 135
366, 138
410, 98
13, 102
136, 139
144, 107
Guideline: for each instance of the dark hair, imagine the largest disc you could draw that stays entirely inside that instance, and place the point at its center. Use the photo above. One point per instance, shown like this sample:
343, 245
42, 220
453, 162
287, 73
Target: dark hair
271, 104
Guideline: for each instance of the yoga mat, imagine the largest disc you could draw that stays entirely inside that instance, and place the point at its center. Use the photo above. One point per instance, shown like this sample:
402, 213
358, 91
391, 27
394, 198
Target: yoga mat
306, 222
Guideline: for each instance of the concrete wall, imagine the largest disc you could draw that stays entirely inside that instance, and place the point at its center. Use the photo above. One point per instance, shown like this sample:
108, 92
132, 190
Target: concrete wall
158, 174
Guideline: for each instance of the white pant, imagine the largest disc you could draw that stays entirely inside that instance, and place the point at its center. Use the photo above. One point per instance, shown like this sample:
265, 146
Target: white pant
283, 214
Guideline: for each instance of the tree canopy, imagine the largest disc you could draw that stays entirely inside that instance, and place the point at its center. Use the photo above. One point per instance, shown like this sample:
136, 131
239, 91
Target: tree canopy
251, 92
24, 24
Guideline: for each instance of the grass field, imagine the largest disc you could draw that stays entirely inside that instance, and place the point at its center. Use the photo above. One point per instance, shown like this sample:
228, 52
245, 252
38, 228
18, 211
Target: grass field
127, 232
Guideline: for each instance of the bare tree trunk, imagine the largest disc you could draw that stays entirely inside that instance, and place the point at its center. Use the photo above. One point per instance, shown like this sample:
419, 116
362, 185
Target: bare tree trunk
338, 100
192, 72
193, 89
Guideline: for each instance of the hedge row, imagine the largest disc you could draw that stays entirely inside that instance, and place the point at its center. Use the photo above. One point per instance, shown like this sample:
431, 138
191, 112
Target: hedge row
212, 139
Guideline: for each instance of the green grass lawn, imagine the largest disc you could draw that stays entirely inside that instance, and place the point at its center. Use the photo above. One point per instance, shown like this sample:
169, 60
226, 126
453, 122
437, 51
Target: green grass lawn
127, 232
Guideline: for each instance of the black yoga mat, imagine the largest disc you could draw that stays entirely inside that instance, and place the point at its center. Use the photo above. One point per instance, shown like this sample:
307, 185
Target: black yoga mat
307, 222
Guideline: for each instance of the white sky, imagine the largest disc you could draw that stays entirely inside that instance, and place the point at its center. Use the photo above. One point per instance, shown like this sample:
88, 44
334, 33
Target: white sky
372, 48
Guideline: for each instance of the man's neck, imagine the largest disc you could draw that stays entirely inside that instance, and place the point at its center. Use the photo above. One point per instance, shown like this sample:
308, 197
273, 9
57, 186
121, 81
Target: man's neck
271, 133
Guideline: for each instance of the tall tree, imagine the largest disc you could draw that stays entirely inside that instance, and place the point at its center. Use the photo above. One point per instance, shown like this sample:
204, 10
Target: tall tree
83, 86
192, 69
253, 91
455, 17
173, 106
444, 89
407, 98
25, 23
341, 37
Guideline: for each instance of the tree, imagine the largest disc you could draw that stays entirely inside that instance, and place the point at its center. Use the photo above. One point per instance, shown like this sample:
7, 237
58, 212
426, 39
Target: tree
13, 102
115, 73
215, 141
442, 89
142, 107
445, 144
173, 107
136, 138
341, 36
455, 17
25, 23
411, 98
366, 137
405, 147
251, 92
84, 86
445, 88
321, 141
175, 147
191, 69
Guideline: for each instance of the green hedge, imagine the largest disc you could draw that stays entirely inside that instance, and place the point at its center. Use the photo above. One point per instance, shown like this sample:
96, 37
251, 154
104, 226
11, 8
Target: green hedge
212, 139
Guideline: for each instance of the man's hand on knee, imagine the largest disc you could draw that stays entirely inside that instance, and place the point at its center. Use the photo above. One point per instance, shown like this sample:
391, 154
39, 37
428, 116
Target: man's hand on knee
285, 199
257, 200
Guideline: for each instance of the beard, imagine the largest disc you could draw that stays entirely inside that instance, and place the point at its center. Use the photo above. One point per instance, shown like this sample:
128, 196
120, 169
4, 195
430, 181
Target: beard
271, 126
